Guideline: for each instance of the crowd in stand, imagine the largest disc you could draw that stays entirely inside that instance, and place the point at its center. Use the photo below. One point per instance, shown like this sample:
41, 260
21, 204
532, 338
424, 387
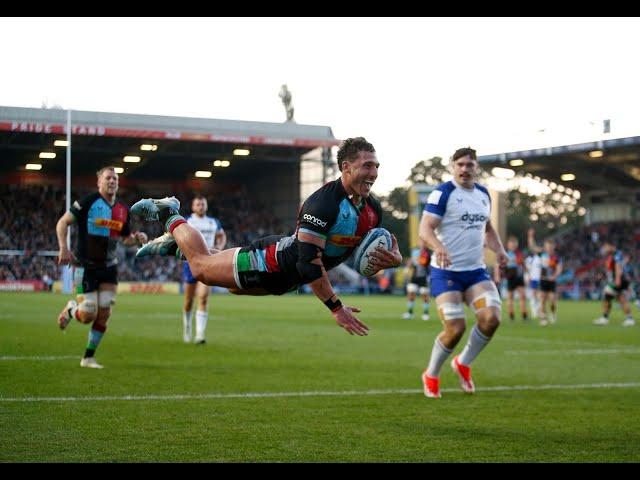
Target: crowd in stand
28, 216
584, 272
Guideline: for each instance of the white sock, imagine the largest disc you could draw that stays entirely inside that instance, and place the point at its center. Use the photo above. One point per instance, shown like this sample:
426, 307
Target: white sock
438, 356
477, 341
186, 324
201, 323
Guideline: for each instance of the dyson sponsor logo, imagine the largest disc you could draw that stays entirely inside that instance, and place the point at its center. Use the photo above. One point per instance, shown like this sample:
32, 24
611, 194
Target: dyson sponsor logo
473, 217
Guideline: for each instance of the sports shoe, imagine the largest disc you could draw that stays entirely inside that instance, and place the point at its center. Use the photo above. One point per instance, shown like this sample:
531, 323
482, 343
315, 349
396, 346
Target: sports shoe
425, 316
158, 209
628, 322
543, 322
199, 341
164, 245
464, 374
90, 362
406, 316
552, 318
65, 315
601, 321
431, 386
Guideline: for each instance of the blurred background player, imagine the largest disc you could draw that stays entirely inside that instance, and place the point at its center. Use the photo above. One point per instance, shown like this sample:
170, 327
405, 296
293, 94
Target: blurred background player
456, 226
101, 220
418, 273
533, 269
514, 274
550, 269
214, 237
618, 280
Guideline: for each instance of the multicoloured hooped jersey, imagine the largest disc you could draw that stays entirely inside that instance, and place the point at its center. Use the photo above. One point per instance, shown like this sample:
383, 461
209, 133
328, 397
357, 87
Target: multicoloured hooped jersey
207, 226
464, 213
419, 268
515, 262
100, 225
330, 214
548, 264
617, 258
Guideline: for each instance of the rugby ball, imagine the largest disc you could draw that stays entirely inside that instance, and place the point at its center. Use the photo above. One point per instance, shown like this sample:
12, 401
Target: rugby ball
377, 237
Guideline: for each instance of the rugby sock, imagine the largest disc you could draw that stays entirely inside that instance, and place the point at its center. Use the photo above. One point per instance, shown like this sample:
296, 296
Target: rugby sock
173, 221
477, 341
410, 307
439, 355
425, 307
186, 323
95, 335
201, 323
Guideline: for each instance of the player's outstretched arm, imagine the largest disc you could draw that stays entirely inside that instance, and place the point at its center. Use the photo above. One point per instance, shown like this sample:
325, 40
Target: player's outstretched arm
312, 271
531, 240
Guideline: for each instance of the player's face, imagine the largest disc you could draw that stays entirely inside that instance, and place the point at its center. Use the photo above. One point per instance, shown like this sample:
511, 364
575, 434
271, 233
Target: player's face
465, 171
108, 183
199, 206
549, 247
361, 173
512, 244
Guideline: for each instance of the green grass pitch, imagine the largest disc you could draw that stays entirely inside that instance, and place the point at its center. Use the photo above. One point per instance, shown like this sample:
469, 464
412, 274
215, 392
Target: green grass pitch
278, 381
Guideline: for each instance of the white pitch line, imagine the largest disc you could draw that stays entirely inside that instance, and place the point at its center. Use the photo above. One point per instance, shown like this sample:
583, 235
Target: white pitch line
346, 393
593, 351
35, 357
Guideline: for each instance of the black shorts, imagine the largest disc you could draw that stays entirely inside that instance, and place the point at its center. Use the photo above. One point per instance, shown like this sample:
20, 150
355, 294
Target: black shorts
548, 286
257, 266
88, 279
612, 291
420, 281
515, 282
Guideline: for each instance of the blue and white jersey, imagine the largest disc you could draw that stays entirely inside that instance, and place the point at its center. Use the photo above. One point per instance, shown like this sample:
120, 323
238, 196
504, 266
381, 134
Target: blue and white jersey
207, 226
464, 214
534, 267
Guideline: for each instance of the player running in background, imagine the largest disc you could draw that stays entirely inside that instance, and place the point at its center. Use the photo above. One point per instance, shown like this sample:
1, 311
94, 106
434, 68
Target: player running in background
533, 269
618, 280
550, 269
514, 273
456, 226
101, 221
214, 237
418, 272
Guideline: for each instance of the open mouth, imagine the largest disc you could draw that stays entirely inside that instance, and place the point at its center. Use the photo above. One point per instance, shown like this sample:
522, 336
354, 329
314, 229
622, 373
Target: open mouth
367, 185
